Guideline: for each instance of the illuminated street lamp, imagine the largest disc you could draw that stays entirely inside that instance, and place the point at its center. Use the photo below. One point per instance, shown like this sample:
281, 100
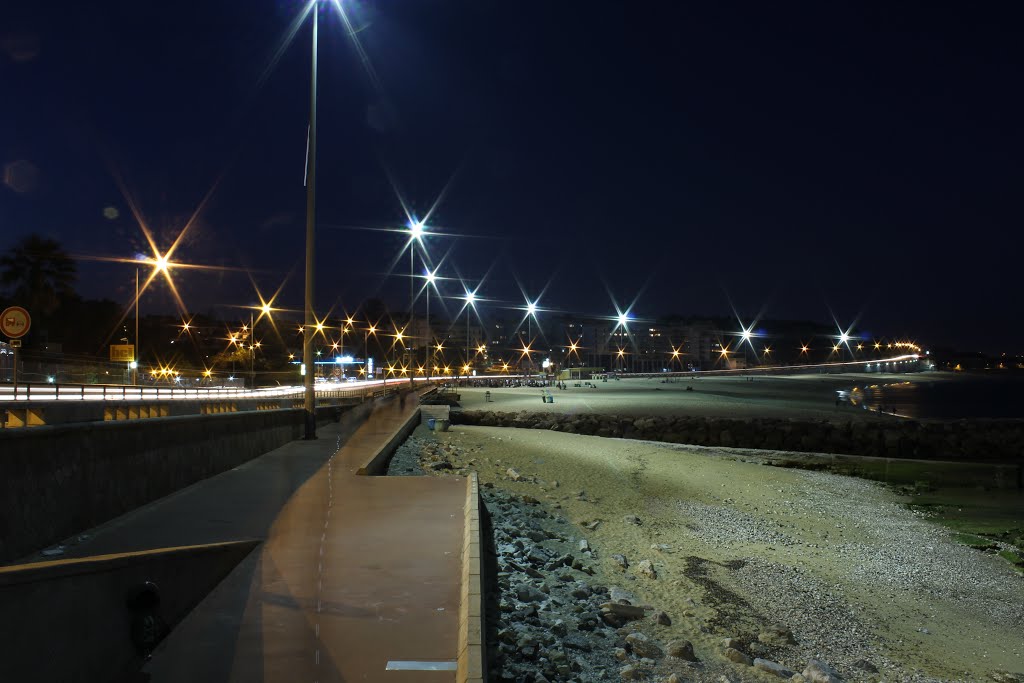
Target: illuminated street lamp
309, 397
416, 231
431, 277
470, 299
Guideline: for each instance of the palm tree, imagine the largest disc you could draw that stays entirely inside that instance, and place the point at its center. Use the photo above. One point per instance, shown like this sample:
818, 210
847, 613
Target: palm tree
38, 273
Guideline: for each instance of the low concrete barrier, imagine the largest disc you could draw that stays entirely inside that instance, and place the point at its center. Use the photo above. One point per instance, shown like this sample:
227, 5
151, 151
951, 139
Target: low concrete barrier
42, 413
377, 463
83, 619
471, 659
56, 481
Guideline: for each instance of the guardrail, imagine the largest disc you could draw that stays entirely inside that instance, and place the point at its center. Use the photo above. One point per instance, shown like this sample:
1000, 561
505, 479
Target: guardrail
123, 392
63, 404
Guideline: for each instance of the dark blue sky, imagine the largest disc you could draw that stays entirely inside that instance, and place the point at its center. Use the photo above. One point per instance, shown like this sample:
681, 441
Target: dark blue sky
859, 158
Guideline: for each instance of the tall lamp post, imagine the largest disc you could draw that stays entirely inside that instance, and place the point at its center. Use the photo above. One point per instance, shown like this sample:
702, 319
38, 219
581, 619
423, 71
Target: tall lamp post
135, 370
366, 347
309, 402
431, 278
470, 298
416, 230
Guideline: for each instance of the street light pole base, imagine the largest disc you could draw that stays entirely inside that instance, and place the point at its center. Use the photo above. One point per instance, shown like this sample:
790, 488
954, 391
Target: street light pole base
310, 434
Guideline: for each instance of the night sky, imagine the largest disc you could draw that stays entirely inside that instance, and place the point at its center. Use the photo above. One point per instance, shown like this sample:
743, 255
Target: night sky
862, 160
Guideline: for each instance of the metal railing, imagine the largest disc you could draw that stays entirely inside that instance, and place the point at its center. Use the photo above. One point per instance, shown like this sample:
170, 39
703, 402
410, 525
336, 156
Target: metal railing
36, 392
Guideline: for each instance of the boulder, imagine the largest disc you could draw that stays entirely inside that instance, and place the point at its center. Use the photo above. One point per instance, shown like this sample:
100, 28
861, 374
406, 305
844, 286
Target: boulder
771, 667
662, 618
527, 593
818, 671
682, 649
645, 568
644, 647
623, 611
632, 672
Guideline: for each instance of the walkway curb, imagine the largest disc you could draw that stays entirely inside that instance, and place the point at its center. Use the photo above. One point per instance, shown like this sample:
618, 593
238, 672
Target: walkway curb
471, 661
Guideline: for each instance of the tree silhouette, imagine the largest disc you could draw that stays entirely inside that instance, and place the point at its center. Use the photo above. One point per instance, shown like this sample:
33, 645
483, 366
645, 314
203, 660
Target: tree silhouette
38, 274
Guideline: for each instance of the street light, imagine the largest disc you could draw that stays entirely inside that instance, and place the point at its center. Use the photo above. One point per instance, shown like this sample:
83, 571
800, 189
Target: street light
309, 397
416, 230
372, 329
470, 298
431, 279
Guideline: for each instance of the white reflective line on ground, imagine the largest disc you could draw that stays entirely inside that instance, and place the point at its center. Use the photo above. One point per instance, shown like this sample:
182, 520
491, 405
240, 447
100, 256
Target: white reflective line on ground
448, 665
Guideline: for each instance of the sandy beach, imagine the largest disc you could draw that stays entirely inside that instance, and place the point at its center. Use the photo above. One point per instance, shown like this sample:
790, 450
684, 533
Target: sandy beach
737, 547
793, 396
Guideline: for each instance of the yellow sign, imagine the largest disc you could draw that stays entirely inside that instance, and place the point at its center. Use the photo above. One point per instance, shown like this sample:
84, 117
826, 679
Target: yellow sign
122, 353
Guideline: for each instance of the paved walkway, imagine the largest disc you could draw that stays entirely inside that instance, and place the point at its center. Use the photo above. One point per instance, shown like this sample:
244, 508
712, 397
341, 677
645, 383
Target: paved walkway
357, 573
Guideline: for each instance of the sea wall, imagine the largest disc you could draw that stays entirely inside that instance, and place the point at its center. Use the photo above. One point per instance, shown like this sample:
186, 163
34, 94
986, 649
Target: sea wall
979, 441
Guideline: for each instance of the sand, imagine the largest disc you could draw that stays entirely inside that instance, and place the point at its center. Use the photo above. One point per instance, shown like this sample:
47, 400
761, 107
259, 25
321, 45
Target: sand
838, 560
794, 396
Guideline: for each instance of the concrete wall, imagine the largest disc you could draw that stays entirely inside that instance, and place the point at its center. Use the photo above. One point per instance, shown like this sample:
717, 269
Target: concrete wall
42, 413
56, 481
70, 620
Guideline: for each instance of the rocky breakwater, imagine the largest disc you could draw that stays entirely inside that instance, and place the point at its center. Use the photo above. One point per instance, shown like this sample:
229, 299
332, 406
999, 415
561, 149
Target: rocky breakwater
992, 441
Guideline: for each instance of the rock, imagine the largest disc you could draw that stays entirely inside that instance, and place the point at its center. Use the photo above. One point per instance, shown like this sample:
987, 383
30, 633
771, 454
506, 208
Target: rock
662, 618
865, 665
632, 519
593, 525
674, 678
513, 474
682, 649
818, 671
584, 546
621, 561
661, 547
730, 642
623, 611
618, 595
645, 568
440, 465
797, 678
527, 593
643, 646
620, 654
772, 667
632, 672
581, 592
776, 635
735, 655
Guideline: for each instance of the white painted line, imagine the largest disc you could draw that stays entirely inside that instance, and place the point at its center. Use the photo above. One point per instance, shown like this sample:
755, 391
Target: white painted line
448, 665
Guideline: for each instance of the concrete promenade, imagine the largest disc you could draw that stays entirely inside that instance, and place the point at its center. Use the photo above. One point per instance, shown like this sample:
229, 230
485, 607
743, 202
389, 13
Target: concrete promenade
356, 574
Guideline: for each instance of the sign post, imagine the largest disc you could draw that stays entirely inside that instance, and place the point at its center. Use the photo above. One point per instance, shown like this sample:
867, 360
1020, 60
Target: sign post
15, 322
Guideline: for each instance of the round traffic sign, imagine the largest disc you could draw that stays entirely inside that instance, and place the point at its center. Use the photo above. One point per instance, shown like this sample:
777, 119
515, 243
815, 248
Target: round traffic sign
15, 322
